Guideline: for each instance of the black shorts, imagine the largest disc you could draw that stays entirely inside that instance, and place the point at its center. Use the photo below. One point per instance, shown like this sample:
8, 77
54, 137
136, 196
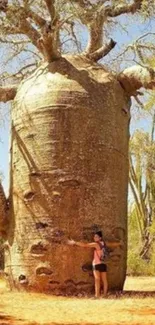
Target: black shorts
100, 267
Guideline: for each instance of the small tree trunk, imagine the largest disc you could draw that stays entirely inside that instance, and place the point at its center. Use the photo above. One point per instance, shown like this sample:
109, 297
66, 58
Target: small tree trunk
3, 223
69, 175
3, 213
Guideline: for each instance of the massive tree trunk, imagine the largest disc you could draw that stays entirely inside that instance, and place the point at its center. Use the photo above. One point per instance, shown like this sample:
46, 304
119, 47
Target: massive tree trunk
69, 175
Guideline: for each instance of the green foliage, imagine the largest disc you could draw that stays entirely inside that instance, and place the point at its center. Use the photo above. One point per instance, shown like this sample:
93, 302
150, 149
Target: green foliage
148, 105
147, 8
136, 265
141, 260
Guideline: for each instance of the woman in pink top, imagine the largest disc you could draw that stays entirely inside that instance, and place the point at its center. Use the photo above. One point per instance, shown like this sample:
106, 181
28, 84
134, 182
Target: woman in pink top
99, 267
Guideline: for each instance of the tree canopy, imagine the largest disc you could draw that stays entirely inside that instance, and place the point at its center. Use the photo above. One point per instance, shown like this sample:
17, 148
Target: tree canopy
32, 31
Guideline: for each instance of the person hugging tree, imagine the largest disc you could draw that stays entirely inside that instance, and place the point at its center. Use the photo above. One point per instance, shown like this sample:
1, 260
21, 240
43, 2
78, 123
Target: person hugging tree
99, 266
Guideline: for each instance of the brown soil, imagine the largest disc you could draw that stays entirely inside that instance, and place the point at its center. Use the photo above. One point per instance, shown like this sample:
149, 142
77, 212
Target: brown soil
135, 306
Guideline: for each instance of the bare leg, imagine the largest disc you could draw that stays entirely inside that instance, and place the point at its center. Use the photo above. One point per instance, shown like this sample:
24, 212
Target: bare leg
97, 283
105, 282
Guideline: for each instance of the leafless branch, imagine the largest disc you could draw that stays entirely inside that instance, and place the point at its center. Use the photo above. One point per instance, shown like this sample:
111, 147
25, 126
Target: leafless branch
82, 3
51, 8
138, 101
102, 51
114, 11
48, 43
13, 41
145, 35
26, 28
35, 17
46, 40
20, 74
95, 35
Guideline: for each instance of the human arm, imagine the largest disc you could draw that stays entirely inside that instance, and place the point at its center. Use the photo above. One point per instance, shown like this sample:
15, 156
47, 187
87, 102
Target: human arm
82, 244
114, 244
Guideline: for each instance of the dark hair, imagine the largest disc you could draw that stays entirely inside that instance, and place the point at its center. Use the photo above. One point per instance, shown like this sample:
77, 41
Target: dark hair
99, 233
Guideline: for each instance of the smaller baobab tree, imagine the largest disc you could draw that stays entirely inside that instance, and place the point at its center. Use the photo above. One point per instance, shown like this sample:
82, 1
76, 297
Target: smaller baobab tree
3, 213
69, 149
3, 223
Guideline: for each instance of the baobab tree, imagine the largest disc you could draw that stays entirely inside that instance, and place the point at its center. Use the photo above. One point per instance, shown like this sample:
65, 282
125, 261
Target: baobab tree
69, 142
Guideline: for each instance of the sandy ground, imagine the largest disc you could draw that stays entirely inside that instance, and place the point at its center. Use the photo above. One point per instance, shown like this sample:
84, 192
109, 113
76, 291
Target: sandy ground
136, 306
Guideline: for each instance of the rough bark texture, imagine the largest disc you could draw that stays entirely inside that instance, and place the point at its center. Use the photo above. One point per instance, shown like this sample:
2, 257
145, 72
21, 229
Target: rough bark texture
69, 175
3, 213
135, 77
7, 93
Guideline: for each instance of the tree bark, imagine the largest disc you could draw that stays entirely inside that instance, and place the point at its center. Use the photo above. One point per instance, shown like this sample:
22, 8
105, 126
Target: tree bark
3, 214
102, 51
7, 93
135, 77
69, 131
115, 11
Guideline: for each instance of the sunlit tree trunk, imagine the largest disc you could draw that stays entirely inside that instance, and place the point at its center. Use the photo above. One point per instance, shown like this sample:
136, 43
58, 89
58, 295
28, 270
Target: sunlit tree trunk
69, 152
3, 214
69, 175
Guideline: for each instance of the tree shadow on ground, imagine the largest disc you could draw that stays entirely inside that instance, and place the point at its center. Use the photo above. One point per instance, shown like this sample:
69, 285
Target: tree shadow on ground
9, 320
133, 294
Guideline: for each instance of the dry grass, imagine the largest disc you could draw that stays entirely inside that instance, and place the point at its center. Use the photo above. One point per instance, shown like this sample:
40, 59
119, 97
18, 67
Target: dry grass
132, 307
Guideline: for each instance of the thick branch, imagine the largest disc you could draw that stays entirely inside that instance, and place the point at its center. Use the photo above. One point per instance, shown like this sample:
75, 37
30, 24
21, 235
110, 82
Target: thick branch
7, 93
17, 16
82, 3
25, 12
95, 35
123, 9
48, 43
92, 16
3, 5
102, 51
135, 77
26, 28
35, 17
51, 8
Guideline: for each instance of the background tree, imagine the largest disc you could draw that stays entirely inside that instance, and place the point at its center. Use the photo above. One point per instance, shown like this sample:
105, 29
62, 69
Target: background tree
69, 151
142, 148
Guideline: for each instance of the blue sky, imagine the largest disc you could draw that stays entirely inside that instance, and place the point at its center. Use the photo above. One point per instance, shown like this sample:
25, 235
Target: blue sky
134, 29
